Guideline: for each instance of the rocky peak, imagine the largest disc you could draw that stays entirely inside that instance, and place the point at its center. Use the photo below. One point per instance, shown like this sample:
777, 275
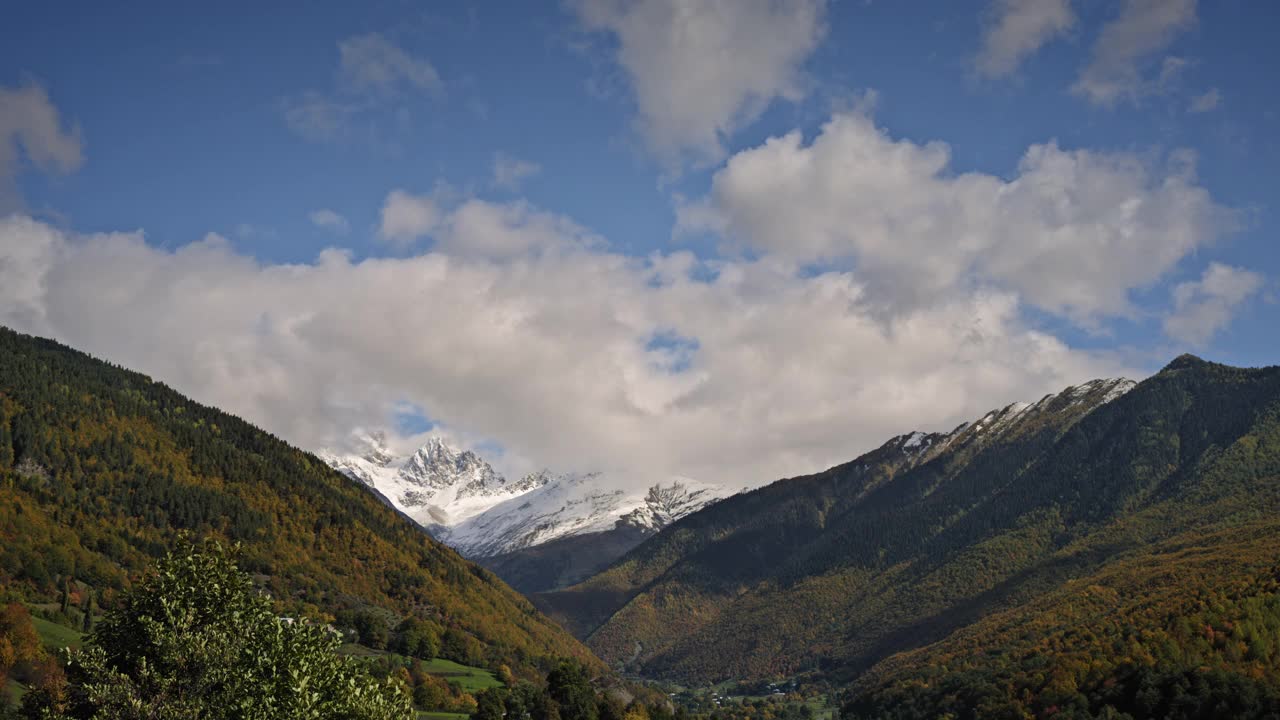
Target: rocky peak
664, 504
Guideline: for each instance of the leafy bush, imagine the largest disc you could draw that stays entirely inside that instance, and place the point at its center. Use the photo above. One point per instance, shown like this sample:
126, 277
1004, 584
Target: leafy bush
196, 640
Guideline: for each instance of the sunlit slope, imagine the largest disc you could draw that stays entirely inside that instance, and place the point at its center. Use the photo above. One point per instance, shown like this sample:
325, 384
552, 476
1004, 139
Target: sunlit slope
101, 468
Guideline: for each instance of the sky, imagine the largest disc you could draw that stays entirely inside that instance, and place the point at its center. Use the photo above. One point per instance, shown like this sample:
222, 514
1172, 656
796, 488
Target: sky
732, 240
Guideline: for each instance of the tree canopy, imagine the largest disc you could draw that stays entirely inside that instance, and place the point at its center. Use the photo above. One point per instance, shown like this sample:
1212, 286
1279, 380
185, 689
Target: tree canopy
195, 640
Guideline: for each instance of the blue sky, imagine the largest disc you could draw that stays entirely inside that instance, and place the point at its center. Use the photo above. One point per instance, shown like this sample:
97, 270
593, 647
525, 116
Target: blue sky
586, 121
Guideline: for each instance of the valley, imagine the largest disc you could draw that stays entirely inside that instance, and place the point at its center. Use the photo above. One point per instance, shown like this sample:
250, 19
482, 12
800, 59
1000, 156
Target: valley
979, 567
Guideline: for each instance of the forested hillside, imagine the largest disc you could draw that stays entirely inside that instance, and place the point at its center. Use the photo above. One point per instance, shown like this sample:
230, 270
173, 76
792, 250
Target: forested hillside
1135, 526
101, 469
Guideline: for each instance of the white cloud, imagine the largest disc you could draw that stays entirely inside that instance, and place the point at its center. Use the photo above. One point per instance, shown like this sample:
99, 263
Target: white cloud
32, 133
1206, 102
371, 64
702, 70
1071, 232
1204, 307
1142, 29
406, 217
1016, 29
797, 365
480, 229
327, 219
509, 172
372, 73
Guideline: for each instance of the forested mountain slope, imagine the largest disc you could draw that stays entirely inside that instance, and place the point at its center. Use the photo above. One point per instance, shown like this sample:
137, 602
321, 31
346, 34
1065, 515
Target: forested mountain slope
1011, 517
564, 561
101, 468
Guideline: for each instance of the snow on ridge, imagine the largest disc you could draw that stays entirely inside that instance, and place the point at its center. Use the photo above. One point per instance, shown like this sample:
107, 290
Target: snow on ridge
465, 503
1000, 421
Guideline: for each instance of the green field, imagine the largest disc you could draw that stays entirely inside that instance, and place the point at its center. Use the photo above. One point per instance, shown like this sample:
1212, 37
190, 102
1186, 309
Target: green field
471, 679
442, 716
355, 650
55, 636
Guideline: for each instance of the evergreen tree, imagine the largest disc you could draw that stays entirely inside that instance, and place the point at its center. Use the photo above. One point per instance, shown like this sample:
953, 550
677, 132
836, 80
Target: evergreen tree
64, 603
87, 608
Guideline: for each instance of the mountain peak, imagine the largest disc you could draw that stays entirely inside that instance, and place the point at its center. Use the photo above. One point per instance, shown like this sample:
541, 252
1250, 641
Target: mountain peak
1185, 361
437, 447
666, 503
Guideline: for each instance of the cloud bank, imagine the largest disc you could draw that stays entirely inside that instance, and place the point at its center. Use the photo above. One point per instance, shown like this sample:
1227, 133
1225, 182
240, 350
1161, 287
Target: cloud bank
549, 353
878, 292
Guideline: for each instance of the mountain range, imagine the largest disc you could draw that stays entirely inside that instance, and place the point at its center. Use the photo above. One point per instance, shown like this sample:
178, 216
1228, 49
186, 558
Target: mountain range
461, 500
1069, 552
103, 470
1111, 550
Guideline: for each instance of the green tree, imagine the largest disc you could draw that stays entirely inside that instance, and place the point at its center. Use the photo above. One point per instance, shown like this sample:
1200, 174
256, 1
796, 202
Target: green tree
371, 626
524, 702
195, 640
489, 705
570, 686
64, 601
87, 622
416, 638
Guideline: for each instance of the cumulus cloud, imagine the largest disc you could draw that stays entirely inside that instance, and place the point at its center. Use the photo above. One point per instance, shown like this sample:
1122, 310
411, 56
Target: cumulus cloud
1204, 307
32, 134
504, 231
1141, 30
509, 172
1016, 29
406, 217
702, 70
766, 372
480, 229
327, 219
1072, 231
372, 72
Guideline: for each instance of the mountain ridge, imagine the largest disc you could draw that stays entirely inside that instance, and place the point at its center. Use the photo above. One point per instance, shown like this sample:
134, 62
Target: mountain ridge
102, 469
461, 500
927, 533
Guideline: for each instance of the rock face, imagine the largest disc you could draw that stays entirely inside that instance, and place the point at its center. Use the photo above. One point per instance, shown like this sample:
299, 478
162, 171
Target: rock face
464, 502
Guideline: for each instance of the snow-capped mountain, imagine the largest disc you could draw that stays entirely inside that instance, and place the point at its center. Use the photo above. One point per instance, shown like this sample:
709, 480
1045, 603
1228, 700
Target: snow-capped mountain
438, 485
465, 503
575, 505
664, 504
